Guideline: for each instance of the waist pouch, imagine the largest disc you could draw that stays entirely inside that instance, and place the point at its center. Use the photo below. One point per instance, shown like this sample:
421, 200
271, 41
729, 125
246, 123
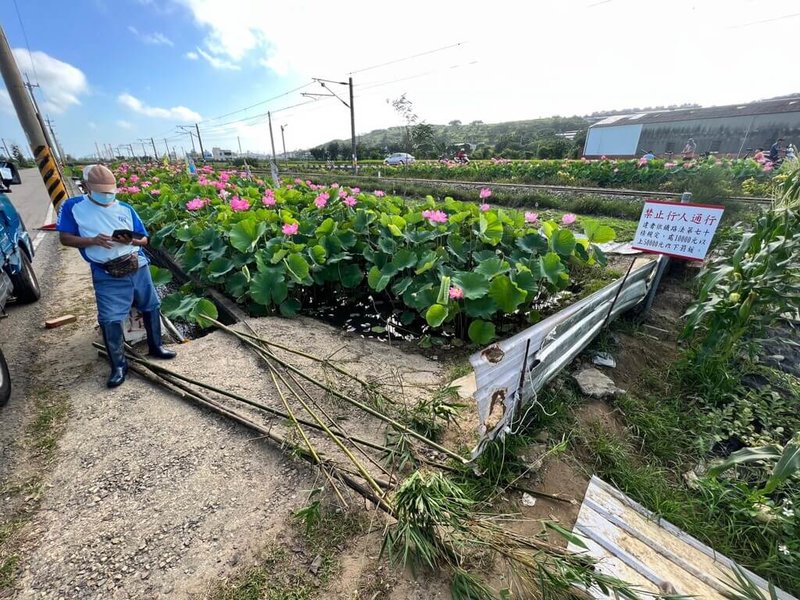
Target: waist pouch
124, 265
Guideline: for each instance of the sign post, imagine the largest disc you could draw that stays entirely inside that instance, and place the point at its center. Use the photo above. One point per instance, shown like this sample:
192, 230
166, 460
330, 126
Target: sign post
677, 230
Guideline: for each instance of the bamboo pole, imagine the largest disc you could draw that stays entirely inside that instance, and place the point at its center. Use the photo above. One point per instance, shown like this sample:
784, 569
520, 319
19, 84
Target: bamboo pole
368, 409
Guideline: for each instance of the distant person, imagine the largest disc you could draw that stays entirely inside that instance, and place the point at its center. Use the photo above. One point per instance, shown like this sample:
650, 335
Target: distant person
461, 156
759, 155
791, 152
775, 150
650, 155
689, 149
110, 236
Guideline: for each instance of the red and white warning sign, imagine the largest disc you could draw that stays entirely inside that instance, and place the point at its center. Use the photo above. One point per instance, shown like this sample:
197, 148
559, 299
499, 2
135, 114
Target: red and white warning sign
679, 230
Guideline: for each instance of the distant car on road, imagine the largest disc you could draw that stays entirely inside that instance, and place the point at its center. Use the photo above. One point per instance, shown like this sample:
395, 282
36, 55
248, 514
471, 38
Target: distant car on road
399, 158
17, 278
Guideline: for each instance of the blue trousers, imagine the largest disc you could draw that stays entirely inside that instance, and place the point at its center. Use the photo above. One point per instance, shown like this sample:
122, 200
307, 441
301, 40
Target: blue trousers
116, 295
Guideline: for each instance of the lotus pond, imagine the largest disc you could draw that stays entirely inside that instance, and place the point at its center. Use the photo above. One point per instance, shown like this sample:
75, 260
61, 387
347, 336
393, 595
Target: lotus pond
427, 269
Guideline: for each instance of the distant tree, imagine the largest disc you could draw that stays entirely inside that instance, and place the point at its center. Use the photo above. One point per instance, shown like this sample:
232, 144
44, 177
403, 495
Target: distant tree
334, 150
454, 123
476, 123
318, 153
19, 158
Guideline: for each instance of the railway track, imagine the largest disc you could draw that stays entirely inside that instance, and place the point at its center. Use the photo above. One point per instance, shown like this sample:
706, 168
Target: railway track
611, 192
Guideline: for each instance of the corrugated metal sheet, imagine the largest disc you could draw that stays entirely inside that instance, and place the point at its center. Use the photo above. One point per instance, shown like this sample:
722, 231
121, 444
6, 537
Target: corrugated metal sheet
635, 545
767, 107
533, 357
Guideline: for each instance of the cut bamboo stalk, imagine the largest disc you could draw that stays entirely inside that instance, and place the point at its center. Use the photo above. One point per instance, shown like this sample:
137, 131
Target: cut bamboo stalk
368, 409
366, 492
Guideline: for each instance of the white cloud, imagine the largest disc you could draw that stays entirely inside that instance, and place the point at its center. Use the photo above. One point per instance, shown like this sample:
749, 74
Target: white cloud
92, 125
192, 55
124, 124
519, 60
155, 39
217, 62
176, 113
62, 84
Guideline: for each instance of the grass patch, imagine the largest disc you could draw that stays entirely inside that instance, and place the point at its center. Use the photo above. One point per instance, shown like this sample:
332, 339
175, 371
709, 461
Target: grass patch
284, 574
8, 570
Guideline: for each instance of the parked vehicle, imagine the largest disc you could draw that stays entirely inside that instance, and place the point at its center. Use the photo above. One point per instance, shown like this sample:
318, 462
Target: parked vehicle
399, 158
17, 277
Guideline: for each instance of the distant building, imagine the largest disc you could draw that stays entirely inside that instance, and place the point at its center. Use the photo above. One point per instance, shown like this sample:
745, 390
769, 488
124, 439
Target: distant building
729, 130
221, 154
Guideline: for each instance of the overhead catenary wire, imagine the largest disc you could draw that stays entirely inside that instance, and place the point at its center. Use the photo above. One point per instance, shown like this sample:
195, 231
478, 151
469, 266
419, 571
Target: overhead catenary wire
27, 43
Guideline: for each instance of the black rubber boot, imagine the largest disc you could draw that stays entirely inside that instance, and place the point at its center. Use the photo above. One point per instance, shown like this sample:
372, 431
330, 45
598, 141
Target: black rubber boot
152, 325
114, 340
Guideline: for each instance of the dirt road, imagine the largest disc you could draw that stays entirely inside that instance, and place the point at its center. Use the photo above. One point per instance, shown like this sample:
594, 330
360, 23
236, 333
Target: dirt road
131, 492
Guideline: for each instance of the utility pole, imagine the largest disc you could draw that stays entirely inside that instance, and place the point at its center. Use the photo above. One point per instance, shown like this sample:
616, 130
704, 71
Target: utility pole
273, 166
350, 105
144, 151
62, 157
239, 141
200, 141
353, 126
8, 154
155, 152
283, 141
43, 157
97, 147
167, 147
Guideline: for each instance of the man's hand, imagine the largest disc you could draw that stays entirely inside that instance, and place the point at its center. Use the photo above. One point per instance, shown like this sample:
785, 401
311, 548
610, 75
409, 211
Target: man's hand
101, 239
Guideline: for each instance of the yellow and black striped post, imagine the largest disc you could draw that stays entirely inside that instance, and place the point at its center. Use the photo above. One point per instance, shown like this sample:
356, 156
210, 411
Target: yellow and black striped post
51, 175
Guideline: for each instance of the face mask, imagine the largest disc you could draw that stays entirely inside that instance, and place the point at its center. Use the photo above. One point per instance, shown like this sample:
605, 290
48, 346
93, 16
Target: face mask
103, 197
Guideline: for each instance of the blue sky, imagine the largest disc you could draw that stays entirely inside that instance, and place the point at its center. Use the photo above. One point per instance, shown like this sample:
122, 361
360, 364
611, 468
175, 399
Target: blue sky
113, 71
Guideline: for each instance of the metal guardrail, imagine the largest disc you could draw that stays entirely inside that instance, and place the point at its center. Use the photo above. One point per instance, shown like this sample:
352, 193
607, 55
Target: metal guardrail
510, 373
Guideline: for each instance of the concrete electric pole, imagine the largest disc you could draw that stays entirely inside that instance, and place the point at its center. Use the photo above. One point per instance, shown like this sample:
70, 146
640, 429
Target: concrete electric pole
43, 156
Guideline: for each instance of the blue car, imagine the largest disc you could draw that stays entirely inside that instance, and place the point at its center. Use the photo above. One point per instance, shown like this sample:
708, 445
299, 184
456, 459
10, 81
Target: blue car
17, 277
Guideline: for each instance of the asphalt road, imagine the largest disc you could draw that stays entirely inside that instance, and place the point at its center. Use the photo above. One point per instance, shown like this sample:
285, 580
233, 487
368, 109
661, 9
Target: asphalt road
20, 332
31, 199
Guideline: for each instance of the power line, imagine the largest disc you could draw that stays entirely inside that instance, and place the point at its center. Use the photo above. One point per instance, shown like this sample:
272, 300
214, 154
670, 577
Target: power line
297, 89
27, 44
772, 20
398, 60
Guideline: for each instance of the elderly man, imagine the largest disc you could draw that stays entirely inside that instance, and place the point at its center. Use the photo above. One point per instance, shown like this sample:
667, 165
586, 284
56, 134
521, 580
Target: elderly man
110, 236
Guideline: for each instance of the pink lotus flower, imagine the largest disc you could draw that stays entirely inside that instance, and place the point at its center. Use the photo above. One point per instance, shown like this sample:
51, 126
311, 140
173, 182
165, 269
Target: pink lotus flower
134, 178
146, 184
268, 200
342, 193
485, 193
435, 216
196, 204
224, 177
456, 293
122, 180
643, 162
350, 201
156, 179
356, 191
298, 181
669, 165
334, 186
239, 204
224, 194
134, 189
290, 228
484, 207
568, 219
290, 187
322, 200
156, 192
379, 193
531, 217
